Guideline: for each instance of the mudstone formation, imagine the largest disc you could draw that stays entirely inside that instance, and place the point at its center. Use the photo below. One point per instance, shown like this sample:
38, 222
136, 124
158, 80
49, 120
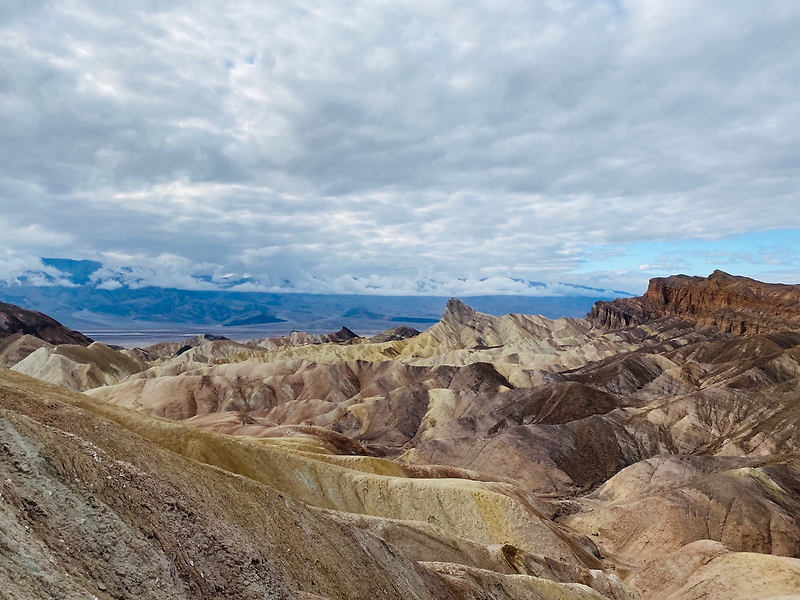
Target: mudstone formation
649, 451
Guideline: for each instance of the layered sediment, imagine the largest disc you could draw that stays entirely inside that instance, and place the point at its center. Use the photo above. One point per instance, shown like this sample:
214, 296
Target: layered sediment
737, 305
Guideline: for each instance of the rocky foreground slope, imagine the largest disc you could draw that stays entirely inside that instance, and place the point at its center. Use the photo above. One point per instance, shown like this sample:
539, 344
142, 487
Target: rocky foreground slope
487, 457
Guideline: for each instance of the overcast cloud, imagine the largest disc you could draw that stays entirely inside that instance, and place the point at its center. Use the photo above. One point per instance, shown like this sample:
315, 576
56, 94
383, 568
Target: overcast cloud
313, 144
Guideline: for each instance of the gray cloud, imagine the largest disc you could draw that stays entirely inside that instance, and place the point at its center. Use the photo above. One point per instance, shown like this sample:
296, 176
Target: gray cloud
314, 141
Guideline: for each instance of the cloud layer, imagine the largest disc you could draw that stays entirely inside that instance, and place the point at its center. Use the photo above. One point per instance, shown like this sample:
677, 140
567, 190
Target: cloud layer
320, 142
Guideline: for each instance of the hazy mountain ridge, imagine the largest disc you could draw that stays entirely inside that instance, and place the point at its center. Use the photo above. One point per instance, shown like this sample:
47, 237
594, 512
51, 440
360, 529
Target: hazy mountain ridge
73, 297
502, 457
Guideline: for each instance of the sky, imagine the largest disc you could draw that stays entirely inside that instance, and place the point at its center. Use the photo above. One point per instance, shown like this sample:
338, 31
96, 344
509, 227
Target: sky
382, 147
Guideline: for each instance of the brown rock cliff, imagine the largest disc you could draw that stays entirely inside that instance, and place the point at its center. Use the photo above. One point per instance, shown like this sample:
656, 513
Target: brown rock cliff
737, 305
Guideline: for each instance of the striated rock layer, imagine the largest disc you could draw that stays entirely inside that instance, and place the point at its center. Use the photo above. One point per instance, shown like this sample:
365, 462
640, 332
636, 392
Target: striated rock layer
737, 305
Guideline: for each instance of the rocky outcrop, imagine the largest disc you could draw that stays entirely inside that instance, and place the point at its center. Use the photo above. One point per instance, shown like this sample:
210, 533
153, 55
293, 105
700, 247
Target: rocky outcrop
706, 570
301, 338
17, 320
659, 505
166, 350
736, 305
16, 347
396, 333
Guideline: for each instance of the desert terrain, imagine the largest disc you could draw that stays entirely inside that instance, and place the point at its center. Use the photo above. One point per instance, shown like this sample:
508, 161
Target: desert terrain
647, 451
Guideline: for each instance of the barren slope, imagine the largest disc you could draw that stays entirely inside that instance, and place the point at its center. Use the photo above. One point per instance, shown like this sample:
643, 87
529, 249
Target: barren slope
113, 495
17, 320
80, 368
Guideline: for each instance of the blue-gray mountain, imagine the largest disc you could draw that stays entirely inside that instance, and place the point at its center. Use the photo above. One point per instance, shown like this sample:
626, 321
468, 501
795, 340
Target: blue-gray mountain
75, 299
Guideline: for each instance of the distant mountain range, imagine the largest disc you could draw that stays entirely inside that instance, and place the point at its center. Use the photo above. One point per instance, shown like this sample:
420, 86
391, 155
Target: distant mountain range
76, 297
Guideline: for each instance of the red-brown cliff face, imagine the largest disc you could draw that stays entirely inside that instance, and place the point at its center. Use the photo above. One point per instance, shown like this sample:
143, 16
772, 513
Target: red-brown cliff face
737, 305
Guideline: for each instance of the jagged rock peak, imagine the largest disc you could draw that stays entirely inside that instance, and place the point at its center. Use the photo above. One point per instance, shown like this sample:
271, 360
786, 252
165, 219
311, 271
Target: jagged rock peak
733, 304
721, 276
300, 338
345, 334
458, 309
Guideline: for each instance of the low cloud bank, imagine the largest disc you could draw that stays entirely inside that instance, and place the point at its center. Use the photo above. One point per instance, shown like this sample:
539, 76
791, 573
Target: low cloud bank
173, 273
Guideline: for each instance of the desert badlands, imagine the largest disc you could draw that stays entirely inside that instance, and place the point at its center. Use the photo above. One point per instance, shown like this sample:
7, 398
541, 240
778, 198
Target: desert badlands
647, 451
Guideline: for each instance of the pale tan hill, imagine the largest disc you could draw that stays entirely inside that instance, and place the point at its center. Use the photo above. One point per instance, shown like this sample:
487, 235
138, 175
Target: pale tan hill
197, 356
167, 350
320, 353
536, 429
174, 358
519, 343
462, 327
707, 570
524, 348
387, 405
291, 392
80, 368
125, 517
471, 582
464, 336
647, 405
301, 338
659, 505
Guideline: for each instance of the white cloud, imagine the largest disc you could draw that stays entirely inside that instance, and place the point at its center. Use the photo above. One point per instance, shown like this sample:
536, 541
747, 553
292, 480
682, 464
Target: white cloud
312, 141
109, 284
14, 266
423, 285
139, 271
